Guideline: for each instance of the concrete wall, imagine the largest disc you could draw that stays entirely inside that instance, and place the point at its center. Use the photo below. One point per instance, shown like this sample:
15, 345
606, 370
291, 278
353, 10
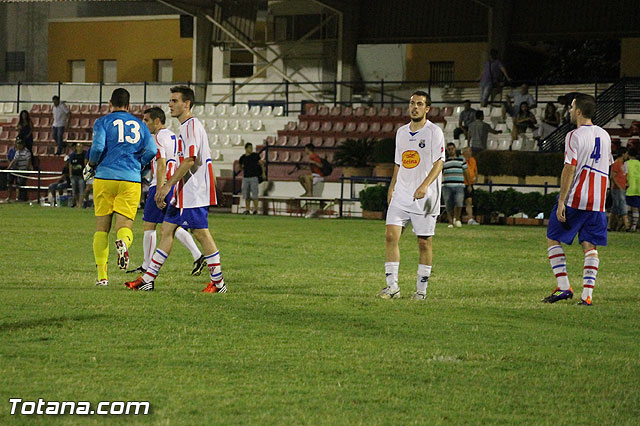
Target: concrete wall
467, 57
630, 57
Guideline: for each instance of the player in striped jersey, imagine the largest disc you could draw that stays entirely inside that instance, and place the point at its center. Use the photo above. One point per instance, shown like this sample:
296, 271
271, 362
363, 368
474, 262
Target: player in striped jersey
580, 207
193, 194
162, 167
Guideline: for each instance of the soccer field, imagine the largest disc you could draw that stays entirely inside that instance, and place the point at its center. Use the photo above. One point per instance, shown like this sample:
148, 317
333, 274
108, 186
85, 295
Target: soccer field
301, 339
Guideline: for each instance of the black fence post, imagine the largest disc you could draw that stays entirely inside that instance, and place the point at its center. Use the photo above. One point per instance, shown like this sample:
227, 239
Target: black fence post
144, 97
286, 97
381, 93
100, 94
335, 92
18, 98
233, 92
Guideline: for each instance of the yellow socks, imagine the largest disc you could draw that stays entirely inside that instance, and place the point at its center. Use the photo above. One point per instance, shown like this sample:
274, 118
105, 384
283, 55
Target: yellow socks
101, 253
125, 235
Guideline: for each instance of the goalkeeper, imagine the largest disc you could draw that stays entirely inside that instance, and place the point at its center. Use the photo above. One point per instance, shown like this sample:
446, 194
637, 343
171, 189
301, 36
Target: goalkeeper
122, 145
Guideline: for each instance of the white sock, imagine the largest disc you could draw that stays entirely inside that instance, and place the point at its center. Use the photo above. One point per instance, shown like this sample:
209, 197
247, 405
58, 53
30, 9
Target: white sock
149, 246
558, 263
187, 240
634, 219
424, 272
215, 269
157, 260
391, 273
591, 263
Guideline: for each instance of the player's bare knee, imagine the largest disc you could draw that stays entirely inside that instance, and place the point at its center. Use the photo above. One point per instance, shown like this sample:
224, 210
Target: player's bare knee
424, 243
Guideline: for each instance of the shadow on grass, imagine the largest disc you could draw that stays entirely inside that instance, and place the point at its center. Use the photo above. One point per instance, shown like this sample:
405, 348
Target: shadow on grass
47, 322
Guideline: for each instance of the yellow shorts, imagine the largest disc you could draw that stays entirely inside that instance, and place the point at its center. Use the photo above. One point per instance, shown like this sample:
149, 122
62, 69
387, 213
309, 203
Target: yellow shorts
116, 196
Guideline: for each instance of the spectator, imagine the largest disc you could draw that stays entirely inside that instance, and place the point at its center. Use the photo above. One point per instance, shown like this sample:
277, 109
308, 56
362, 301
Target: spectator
253, 168
469, 180
60, 120
523, 121
77, 161
550, 121
88, 192
515, 99
454, 174
25, 130
21, 161
466, 117
492, 77
618, 217
57, 190
308, 181
479, 131
633, 188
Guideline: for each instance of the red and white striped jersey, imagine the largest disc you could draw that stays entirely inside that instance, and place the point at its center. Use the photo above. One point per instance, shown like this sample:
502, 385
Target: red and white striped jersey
166, 142
197, 187
589, 149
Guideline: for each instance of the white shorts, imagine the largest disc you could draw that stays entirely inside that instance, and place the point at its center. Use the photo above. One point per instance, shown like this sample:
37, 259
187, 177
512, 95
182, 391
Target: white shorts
317, 178
423, 226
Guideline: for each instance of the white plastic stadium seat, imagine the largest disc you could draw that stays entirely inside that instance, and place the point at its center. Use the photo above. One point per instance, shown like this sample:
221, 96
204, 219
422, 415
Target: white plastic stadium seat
198, 111
503, 145
236, 140
223, 125
210, 110
8, 108
234, 125
245, 125
216, 155
212, 125
232, 110
214, 140
462, 139
226, 140
492, 144
221, 110
243, 109
255, 110
266, 111
502, 126
278, 111
257, 125
516, 145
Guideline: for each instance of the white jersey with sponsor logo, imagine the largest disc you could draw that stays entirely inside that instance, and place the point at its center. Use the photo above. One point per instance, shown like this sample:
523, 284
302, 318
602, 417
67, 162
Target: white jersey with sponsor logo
197, 187
415, 154
167, 145
589, 149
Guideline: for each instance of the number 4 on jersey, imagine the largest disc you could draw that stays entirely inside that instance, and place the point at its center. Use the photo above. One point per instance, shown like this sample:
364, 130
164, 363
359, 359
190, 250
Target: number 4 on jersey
596, 151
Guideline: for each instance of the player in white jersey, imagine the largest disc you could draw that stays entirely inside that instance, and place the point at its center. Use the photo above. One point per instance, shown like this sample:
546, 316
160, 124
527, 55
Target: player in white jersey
414, 193
194, 193
580, 207
162, 167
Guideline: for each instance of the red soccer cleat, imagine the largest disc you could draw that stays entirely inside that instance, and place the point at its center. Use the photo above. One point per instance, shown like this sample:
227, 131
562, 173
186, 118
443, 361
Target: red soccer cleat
139, 284
212, 288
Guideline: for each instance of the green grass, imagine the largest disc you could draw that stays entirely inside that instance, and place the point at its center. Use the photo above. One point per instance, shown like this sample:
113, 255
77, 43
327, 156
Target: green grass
300, 337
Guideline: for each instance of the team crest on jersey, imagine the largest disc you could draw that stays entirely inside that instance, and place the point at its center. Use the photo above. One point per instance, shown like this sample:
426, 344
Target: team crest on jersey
410, 159
421, 144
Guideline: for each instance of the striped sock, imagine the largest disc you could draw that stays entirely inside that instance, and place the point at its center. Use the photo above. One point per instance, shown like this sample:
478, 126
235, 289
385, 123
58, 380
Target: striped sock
558, 263
424, 272
215, 270
591, 263
391, 273
149, 247
157, 260
634, 219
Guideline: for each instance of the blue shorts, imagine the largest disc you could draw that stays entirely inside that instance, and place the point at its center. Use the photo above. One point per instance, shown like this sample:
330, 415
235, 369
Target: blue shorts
591, 226
190, 218
453, 197
153, 213
633, 201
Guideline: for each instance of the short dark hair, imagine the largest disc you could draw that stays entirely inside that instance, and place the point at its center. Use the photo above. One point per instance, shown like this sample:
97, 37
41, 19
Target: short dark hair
586, 104
120, 97
247, 145
186, 93
156, 112
452, 144
633, 151
620, 151
480, 114
55, 98
494, 53
423, 93
310, 147
467, 101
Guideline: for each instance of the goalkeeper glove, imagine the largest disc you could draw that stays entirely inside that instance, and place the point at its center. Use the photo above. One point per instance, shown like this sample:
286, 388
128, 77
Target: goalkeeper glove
88, 172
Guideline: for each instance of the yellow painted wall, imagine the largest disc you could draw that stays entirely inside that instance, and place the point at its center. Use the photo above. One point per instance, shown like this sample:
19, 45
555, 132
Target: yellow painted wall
467, 57
630, 57
133, 43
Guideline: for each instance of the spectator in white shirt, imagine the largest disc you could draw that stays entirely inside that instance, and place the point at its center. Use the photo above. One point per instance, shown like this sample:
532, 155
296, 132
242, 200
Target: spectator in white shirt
60, 120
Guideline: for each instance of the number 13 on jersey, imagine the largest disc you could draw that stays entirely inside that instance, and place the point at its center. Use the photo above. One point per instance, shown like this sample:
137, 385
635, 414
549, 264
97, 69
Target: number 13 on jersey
134, 128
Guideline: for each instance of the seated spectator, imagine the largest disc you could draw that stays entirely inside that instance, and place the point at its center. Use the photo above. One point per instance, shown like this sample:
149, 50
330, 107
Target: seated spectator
466, 117
550, 122
479, 132
523, 120
59, 188
515, 99
21, 161
315, 166
25, 130
77, 161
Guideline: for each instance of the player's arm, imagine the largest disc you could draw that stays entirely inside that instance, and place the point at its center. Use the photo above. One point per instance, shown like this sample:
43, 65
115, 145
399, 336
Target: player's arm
150, 149
433, 175
162, 191
161, 173
566, 178
95, 152
393, 183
